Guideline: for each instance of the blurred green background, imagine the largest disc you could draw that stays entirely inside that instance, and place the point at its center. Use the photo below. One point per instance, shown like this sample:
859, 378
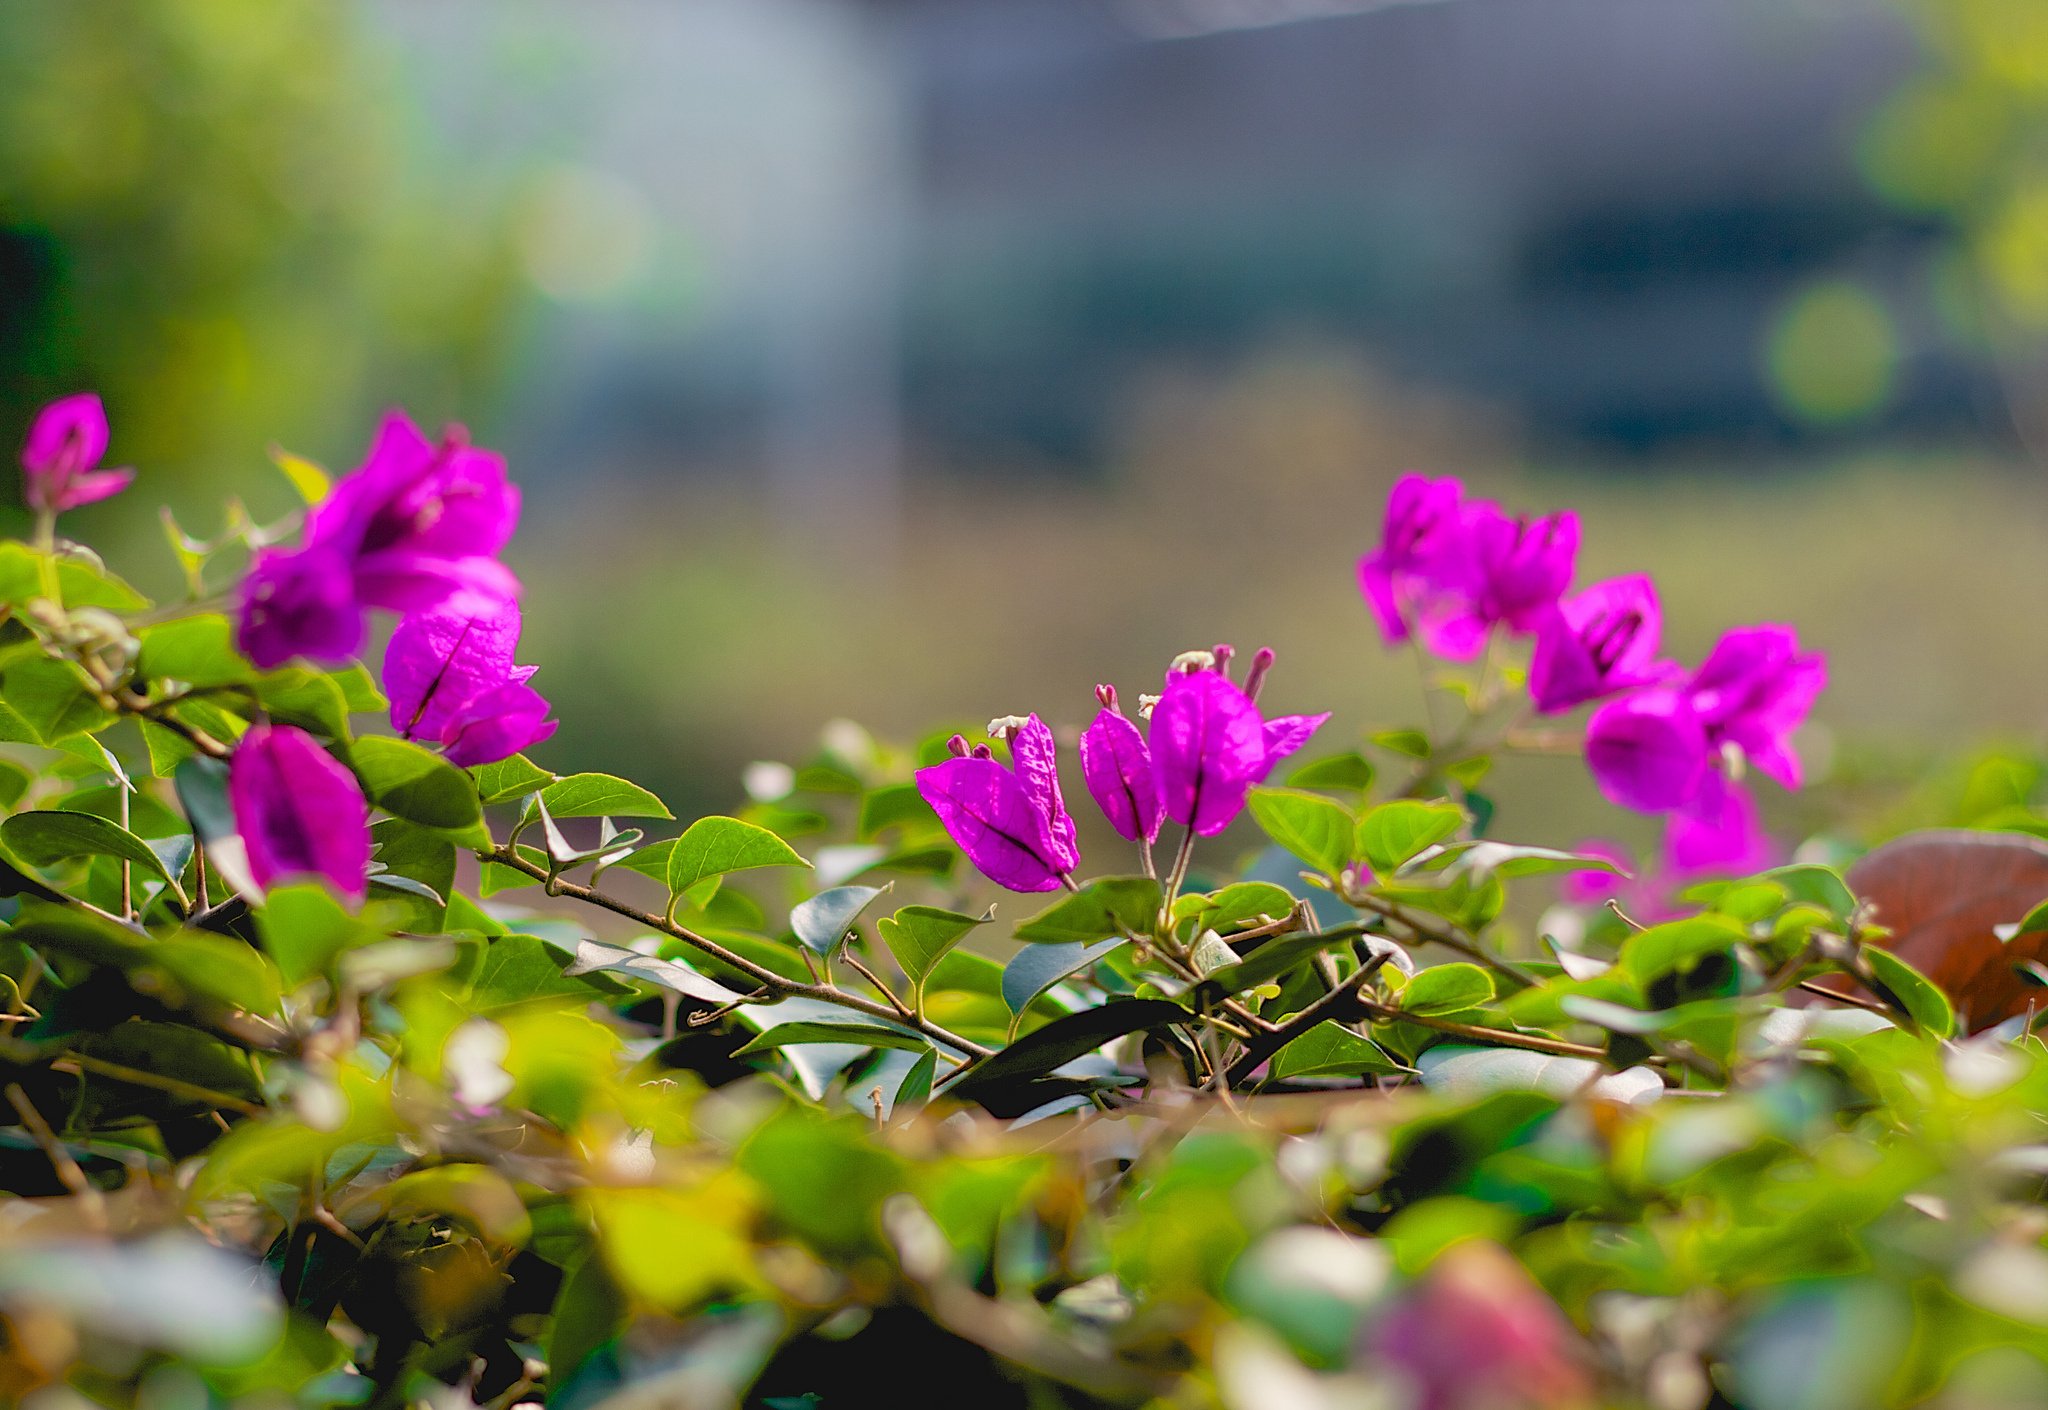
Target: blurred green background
921, 361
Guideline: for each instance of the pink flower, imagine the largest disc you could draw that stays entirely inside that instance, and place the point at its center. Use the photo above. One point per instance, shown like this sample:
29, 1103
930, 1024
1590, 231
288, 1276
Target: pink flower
1210, 745
1012, 823
299, 811
417, 527
1716, 833
1753, 690
1420, 531
1504, 571
1477, 1333
60, 459
451, 680
1116, 764
1647, 751
1597, 643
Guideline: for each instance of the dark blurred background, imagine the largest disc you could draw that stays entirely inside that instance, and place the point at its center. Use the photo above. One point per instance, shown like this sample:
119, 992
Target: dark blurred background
927, 360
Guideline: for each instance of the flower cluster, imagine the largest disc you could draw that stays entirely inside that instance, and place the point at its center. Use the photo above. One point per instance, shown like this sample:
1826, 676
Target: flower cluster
417, 528
1208, 745
1450, 571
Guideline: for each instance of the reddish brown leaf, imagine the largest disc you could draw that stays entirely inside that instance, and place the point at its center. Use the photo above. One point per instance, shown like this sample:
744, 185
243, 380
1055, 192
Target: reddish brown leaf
1942, 894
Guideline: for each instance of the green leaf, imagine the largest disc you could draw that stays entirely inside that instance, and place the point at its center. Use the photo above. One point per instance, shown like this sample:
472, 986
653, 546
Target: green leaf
1447, 988
1507, 861
1352, 771
45, 839
916, 1087
1267, 963
919, 936
1650, 954
309, 480
510, 778
1392, 833
358, 690
49, 701
863, 1033
594, 956
14, 782
304, 928
82, 583
1112, 905
415, 784
199, 651
2034, 922
1413, 744
1064, 1039
1332, 1050
1307, 824
1929, 1007
823, 920
715, 846
221, 967
601, 795
524, 969
418, 860
309, 699
1036, 968
1237, 906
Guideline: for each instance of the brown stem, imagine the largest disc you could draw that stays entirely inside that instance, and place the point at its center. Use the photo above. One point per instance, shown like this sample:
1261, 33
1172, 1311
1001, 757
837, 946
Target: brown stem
77, 1063
1334, 1004
760, 974
1438, 931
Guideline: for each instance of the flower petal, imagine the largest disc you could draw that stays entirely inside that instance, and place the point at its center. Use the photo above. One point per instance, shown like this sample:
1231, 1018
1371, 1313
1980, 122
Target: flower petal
299, 811
439, 661
1208, 748
987, 812
1035, 758
1117, 767
1647, 751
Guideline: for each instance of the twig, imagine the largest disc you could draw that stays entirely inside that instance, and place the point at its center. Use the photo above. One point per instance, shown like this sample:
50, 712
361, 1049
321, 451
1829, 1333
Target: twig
90, 1200
760, 974
1331, 1005
77, 1063
1438, 931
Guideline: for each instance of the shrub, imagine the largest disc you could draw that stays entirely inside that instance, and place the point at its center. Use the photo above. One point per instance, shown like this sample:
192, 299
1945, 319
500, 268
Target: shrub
355, 1058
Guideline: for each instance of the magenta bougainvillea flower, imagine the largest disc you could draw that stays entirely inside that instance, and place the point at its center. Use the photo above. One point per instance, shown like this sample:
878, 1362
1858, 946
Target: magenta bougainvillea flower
1476, 1331
417, 527
1597, 643
1210, 745
1508, 571
1011, 822
1654, 750
1116, 764
451, 681
1753, 690
1647, 751
1401, 579
300, 812
1449, 569
1717, 833
60, 461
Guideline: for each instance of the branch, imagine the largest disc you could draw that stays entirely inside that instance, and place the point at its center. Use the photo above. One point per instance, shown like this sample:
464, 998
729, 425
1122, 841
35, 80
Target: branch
760, 974
1338, 1001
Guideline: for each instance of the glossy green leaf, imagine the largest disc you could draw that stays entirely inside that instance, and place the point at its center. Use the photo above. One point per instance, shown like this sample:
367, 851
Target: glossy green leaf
1309, 825
46, 838
415, 784
715, 846
822, 921
1447, 989
1392, 833
1926, 1003
601, 795
199, 651
920, 936
1331, 1050
1064, 1039
1349, 771
510, 778
1036, 968
1111, 905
